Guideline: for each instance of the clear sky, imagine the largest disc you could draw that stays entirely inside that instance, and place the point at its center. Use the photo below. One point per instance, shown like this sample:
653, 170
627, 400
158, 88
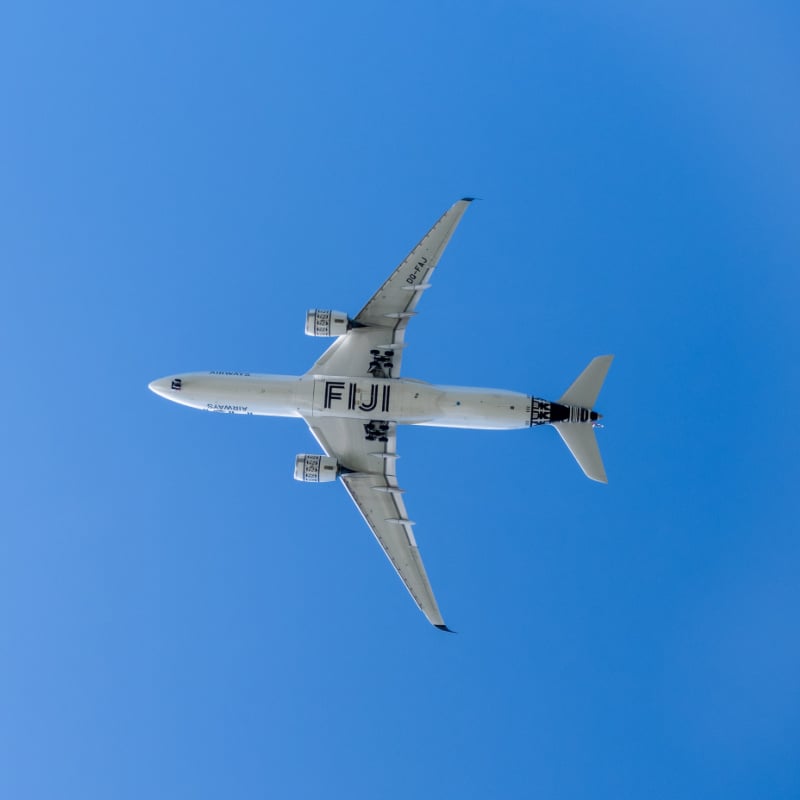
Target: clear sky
179, 182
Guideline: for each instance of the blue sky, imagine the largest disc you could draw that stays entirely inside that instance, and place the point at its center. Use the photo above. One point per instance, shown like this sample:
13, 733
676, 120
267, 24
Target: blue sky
181, 181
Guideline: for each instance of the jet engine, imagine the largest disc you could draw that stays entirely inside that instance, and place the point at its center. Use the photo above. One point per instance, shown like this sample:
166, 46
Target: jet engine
326, 323
315, 469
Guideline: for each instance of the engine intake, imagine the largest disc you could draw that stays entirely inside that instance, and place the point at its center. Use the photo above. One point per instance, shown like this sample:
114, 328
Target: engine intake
326, 322
315, 469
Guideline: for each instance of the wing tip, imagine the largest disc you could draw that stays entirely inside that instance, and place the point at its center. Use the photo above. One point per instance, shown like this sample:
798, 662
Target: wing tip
468, 199
444, 628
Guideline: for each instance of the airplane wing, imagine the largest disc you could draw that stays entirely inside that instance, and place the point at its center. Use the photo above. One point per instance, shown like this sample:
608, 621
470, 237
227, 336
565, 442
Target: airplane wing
376, 349
373, 486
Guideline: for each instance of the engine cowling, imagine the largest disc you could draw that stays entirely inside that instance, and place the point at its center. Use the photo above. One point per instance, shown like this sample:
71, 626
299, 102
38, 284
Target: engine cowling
321, 322
315, 469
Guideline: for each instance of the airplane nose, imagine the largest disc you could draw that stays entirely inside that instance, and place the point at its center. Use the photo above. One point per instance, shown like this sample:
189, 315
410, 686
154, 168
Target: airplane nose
160, 387
156, 387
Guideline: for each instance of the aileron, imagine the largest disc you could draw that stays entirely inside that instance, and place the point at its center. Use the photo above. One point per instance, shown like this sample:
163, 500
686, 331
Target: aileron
381, 323
372, 484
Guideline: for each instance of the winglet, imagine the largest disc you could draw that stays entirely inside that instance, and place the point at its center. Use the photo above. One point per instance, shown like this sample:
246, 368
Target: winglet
444, 628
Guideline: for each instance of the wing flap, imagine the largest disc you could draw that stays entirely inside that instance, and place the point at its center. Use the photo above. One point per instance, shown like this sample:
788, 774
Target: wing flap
373, 487
394, 297
387, 313
386, 516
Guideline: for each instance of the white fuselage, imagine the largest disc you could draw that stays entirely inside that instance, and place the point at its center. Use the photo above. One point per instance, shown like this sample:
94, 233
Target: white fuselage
399, 400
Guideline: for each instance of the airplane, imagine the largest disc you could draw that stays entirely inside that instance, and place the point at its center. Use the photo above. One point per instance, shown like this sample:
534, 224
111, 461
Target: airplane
353, 400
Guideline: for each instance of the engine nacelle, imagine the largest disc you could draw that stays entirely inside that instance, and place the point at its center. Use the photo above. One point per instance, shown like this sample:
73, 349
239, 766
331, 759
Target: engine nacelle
315, 469
326, 323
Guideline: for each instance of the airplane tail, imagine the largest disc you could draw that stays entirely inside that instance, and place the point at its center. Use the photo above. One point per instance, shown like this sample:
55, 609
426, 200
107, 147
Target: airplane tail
579, 436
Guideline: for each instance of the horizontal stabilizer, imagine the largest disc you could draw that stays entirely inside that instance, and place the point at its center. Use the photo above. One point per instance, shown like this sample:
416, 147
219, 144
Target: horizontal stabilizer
587, 385
582, 444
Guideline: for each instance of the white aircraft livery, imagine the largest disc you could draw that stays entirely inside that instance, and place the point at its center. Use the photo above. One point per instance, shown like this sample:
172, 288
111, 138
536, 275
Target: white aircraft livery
354, 399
